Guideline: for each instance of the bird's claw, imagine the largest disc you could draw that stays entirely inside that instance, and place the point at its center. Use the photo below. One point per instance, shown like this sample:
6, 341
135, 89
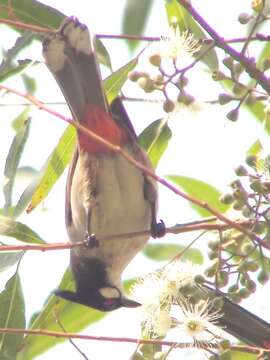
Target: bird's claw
90, 240
158, 230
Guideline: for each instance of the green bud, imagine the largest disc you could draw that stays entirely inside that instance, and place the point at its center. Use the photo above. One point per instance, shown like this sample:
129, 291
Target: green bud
225, 344
224, 99
250, 100
266, 64
182, 81
228, 62
212, 255
217, 303
241, 171
158, 79
244, 18
134, 75
213, 244
210, 272
233, 289
251, 160
218, 75
239, 89
155, 60
185, 99
246, 211
266, 187
146, 84
222, 279
244, 293
168, 106
226, 355
199, 279
263, 277
251, 286
238, 205
226, 199
233, 115
256, 186
236, 184
257, 5
259, 228
247, 248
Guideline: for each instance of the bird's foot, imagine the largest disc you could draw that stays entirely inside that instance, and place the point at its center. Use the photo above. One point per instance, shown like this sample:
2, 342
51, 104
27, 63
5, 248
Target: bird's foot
90, 240
158, 230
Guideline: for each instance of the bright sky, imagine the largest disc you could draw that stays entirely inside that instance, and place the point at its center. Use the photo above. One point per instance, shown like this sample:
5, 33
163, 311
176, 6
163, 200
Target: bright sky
205, 146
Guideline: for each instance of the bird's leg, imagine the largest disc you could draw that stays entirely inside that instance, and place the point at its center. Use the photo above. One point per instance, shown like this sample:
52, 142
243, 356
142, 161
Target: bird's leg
90, 239
158, 229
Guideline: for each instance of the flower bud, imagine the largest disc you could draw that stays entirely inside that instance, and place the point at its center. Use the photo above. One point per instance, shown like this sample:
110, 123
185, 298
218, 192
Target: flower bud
218, 75
155, 60
226, 199
146, 84
233, 115
241, 171
238, 89
168, 106
134, 75
224, 99
257, 5
244, 18
228, 62
263, 277
251, 160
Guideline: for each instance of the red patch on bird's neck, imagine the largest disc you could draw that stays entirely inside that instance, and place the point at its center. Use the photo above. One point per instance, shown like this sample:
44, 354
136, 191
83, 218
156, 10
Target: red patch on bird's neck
102, 124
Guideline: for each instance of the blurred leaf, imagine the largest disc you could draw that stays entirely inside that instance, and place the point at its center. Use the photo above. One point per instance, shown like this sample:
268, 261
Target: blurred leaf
31, 12
13, 158
16, 70
255, 149
155, 139
74, 318
201, 191
102, 53
241, 355
19, 231
135, 18
185, 22
55, 166
11, 316
165, 252
29, 83
21, 42
8, 259
114, 82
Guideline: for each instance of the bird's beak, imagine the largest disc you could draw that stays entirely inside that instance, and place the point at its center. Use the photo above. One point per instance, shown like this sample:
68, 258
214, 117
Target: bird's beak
129, 303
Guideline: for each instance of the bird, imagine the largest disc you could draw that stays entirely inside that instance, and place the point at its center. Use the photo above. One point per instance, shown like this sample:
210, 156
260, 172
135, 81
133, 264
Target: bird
106, 195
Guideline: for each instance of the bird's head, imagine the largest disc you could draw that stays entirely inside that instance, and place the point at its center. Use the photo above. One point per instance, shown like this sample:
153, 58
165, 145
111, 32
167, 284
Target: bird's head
103, 299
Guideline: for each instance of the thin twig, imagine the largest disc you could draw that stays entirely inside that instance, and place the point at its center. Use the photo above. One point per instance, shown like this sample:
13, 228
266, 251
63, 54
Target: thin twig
57, 334
178, 229
140, 166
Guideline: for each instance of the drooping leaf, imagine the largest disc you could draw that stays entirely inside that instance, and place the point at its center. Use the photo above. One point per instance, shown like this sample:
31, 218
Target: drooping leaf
20, 43
31, 12
73, 317
102, 53
202, 191
12, 315
185, 22
155, 139
135, 18
13, 158
8, 259
54, 168
114, 82
165, 252
19, 231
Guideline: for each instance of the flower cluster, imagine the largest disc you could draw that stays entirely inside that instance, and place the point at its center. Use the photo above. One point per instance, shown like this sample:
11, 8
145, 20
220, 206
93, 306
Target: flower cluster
171, 298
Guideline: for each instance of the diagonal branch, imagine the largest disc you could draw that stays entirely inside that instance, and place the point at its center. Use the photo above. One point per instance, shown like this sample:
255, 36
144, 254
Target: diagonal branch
248, 63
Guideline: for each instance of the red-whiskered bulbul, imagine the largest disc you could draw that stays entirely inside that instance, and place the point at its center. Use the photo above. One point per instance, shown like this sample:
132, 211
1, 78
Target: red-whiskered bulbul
105, 194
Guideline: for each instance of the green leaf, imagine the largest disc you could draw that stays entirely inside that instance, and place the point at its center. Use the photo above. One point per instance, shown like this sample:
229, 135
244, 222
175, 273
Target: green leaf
13, 158
31, 12
165, 252
201, 191
8, 259
255, 149
20, 43
155, 139
16, 70
241, 355
73, 317
185, 22
12, 315
54, 168
102, 53
114, 82
19, 231
135, 17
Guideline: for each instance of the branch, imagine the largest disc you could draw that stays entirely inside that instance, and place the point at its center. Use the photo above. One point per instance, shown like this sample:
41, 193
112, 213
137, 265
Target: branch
177, 229
248, 63
140, 166
57, 334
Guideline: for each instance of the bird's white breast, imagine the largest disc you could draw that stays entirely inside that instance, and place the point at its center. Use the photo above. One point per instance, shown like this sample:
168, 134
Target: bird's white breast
117, 205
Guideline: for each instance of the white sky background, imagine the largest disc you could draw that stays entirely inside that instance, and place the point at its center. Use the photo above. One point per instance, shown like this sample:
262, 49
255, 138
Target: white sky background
205, 145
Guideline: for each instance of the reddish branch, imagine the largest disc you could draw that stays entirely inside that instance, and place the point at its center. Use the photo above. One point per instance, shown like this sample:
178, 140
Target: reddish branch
143, 168
248, 63
57, 334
